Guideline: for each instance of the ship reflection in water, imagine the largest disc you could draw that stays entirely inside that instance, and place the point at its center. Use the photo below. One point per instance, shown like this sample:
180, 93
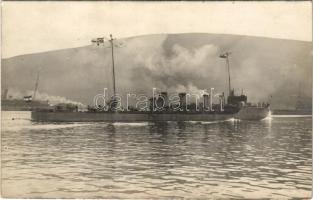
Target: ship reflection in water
231, 159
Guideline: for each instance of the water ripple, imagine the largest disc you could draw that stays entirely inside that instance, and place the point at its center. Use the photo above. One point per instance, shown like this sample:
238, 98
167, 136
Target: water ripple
228, 160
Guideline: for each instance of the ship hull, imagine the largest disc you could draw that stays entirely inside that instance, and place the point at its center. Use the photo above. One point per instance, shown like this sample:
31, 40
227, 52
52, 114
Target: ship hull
21, 105
292, 112
246, 113
125, 117
253, 113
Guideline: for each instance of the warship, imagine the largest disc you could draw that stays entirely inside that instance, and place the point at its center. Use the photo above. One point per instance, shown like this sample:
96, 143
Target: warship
236, 106
302, 106
24, 105
27, 103
31, 103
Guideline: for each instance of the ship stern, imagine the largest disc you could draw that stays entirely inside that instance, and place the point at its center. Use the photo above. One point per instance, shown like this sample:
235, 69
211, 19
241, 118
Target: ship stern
253, 113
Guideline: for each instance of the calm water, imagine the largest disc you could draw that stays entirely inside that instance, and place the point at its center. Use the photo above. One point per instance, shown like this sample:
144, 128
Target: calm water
265, 159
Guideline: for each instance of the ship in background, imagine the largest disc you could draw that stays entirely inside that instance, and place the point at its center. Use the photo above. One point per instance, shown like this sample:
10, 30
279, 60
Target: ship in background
31, 103
303, 106
28, 103
236, 106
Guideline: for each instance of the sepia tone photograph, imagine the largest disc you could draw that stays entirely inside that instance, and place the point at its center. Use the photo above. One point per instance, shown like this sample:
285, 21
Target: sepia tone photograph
156, 100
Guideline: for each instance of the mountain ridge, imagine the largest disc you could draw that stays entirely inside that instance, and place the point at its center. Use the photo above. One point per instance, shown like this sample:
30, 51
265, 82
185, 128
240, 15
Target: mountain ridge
168, 61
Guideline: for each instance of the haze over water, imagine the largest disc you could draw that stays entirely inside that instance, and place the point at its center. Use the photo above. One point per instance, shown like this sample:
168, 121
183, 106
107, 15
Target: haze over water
232, 159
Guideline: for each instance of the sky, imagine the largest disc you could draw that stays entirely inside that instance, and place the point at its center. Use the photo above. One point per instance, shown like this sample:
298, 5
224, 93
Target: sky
31, 27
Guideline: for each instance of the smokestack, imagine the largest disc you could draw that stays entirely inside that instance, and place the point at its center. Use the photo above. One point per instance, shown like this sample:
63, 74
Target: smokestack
159, 103
205, 101
182, 100
165, 97
5, 94
151, 104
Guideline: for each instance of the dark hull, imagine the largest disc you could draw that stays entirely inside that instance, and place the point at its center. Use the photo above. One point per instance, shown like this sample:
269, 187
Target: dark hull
124, 117
248, 113
21, 105
292, 112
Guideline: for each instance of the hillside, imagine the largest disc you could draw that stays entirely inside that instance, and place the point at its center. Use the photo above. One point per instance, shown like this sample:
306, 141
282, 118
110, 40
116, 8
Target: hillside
263, 67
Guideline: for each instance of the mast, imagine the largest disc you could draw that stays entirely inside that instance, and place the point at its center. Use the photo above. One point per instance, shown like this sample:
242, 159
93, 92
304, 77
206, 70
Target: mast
113, 70
299, 103
226, 55
113, 44
36, 85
